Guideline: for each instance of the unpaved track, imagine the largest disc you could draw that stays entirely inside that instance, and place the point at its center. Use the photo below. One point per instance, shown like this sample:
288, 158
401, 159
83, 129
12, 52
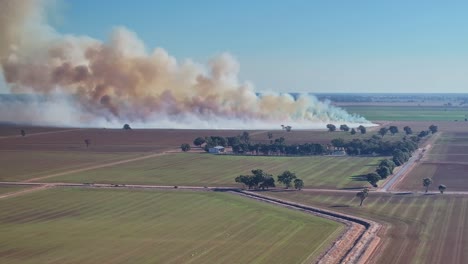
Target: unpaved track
21, 192
95, 167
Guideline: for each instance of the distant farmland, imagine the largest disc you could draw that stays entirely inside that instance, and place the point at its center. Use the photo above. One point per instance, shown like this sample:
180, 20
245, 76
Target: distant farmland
446, 163
120, 226
374, 112
220, 170
421, 228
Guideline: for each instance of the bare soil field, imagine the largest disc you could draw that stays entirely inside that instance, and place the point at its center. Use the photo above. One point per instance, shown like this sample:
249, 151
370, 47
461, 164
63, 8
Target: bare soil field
446, 163
418, 228
13, 130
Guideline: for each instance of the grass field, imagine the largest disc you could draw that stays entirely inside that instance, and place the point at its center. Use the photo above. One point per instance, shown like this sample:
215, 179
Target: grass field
421, 228
409, 113
8, 189
220, 170
446, 163
121, 226
22, 165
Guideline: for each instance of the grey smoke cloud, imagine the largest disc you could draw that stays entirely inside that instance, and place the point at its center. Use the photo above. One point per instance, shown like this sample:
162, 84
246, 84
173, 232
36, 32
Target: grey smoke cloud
119, 80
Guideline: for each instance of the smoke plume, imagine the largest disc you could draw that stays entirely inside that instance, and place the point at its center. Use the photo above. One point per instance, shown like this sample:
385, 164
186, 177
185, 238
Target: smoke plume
92, 82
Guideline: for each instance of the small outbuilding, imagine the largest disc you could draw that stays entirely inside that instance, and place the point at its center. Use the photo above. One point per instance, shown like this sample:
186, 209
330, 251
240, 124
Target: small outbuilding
216, 150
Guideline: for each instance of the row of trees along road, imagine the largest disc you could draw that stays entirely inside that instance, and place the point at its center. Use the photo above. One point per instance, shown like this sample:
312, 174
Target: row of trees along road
260, 179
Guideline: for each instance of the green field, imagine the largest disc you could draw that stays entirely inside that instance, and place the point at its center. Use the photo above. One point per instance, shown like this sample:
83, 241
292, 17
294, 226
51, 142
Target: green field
122, 226
22, 165
8, 189
409, 113
421, 228
221, 170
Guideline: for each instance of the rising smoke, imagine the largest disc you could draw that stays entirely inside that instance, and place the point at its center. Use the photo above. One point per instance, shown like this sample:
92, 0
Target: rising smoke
88, 82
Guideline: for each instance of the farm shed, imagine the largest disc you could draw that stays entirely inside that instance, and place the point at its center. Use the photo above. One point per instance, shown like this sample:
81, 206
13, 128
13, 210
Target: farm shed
216, 150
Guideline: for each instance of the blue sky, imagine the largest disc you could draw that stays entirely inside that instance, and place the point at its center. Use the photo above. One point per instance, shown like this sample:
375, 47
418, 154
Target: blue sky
299, 45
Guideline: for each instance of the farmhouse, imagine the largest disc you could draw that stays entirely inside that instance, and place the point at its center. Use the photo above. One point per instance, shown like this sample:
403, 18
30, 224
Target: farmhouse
216, 150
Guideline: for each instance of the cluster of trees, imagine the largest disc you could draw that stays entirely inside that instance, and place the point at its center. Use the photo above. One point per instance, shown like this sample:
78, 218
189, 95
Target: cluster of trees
375, 145
384, 169
287, 128
345, 128
262, 180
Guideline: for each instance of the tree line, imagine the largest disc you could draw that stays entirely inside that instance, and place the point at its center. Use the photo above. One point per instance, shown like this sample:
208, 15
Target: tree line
262, 180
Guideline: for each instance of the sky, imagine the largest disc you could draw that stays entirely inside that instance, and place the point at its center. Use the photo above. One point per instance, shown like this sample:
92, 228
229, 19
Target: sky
299, 45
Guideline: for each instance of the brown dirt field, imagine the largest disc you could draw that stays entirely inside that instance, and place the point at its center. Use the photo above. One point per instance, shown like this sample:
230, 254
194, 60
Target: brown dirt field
14, 130
419, 228
111, 140
417, 126
446, 163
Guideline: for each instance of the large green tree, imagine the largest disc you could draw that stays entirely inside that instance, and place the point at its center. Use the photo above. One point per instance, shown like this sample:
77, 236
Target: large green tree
286, 178
185, 147
433, 128
383, 131
331, 127
373, 178
442, 188
298, 184
362, 195
393, 130
198, 141
344, 128
426, 183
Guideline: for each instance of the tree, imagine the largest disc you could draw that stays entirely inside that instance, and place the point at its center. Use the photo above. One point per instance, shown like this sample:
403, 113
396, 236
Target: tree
442, 188
258, 179
23, 133
198, 141
87, 142
270, 135
298, 184
185, 147
433, 129
362, 195
373, 178
426, 183
383, 131
245, 137
383, 171
388, 164
408, 130
288, 128
338, 142
331, 127
127, 127
362, 129
353, 131
393, 130
267, 182
344, 128
286, 178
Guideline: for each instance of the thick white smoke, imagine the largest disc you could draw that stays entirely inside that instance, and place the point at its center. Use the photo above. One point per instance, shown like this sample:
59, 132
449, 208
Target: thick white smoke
93, 83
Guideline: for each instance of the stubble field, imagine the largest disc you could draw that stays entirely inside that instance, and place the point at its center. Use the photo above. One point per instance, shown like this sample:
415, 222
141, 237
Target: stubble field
419, 228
